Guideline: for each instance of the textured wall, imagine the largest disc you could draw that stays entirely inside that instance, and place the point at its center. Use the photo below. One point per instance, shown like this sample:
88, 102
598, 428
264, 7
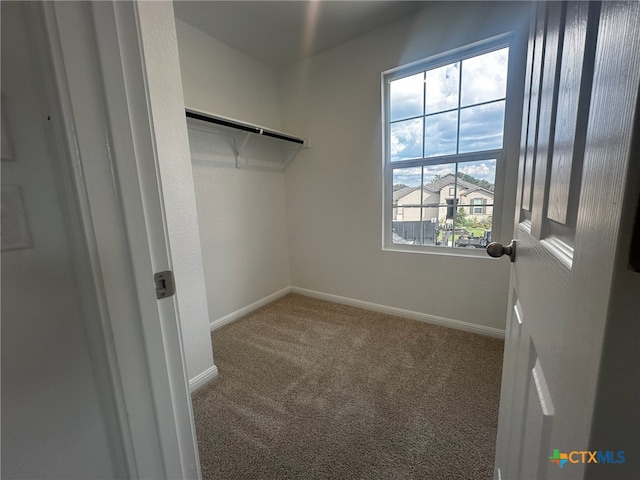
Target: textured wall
334, 189
241, 212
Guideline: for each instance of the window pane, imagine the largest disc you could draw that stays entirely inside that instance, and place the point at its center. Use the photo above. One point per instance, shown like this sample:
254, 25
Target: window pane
481, 173
406, 97
442, 88
440, 134
474, 214
484, 78
406, 177
481, 127
407, 198
437, 177
406, 140
438, 180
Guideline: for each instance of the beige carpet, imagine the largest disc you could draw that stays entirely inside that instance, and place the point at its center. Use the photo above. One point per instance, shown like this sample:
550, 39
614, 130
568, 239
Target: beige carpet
310, 389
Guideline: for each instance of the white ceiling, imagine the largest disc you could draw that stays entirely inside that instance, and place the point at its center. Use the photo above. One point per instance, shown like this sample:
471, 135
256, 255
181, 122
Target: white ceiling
281, 33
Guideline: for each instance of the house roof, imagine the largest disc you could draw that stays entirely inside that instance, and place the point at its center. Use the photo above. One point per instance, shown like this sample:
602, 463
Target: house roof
478, 189
438, 185
449, 178
403, 192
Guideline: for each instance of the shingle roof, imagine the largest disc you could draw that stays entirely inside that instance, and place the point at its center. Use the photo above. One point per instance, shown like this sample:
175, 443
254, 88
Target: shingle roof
403, 192
438, 185
449, 178
477, 188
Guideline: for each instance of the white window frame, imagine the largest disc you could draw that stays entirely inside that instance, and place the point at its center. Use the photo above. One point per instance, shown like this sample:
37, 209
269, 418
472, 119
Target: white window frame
459, 54
477, 206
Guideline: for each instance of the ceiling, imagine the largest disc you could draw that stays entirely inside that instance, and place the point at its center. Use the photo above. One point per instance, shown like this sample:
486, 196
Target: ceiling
281, 33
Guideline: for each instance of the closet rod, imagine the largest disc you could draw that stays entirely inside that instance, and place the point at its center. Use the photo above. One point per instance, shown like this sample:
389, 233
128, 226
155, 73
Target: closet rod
243, 126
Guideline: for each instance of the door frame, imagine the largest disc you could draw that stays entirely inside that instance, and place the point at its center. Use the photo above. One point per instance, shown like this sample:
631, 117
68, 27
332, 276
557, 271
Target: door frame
102, 125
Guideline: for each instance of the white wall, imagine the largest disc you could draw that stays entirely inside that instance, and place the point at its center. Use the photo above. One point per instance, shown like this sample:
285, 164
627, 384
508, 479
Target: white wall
241, 212
219, 79
334, 193
165, 95
53, 424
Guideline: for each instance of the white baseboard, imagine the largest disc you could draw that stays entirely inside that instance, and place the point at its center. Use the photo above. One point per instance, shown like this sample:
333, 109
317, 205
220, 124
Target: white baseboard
248, 309
202, 379
400, 312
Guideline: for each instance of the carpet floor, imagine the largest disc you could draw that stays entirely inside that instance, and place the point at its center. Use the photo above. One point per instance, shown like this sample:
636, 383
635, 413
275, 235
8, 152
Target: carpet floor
309, 389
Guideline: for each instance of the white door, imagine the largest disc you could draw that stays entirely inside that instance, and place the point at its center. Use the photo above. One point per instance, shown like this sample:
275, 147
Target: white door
581, 93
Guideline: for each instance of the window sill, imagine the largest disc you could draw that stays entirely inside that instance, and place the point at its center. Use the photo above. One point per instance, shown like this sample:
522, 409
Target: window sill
479, 253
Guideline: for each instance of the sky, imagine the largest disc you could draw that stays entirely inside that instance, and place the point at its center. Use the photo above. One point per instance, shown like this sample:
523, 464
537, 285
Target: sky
419, 104
483, 169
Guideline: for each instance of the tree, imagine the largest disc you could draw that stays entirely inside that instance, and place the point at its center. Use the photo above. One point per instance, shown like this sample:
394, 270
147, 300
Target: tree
476, 181
461, 218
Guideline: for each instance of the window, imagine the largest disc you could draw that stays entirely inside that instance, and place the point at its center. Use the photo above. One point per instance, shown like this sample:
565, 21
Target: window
478, 210
444, 123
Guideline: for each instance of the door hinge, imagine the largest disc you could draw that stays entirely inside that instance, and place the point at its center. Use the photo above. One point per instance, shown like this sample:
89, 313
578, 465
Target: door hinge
165, 286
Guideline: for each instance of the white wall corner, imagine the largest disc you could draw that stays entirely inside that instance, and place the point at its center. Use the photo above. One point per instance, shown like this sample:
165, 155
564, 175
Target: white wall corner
248, 309
400, 312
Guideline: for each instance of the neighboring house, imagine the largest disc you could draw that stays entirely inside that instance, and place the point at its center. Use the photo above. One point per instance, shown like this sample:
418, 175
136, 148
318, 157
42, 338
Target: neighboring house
437, 201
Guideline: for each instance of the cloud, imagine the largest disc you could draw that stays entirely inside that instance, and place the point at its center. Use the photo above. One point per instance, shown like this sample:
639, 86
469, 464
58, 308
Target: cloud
406, 140
408, 176
484, 77
440, 134
433, 171
484, 169
442, 88
406, 97
481, 127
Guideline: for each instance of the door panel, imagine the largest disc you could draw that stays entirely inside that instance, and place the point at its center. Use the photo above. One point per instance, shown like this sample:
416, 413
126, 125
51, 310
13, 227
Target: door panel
546, 115
573, 109
518, 362
537, 45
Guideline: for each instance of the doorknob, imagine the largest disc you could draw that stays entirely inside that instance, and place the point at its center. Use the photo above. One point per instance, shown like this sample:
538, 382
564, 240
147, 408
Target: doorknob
496, 249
